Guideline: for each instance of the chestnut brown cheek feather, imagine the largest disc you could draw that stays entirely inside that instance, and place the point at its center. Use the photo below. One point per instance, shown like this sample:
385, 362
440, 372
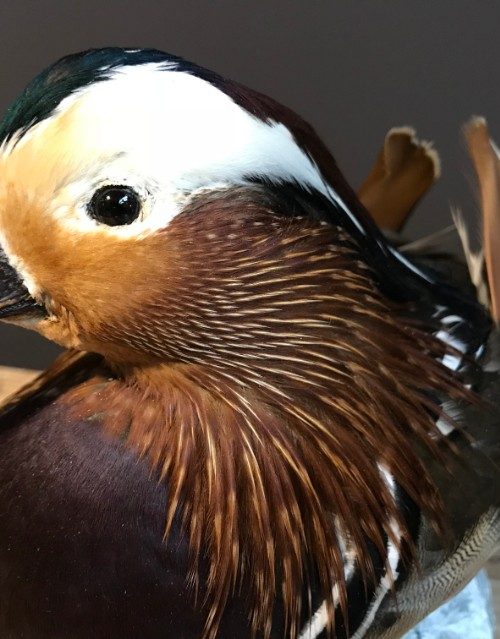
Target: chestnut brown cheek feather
87, 279
279, 381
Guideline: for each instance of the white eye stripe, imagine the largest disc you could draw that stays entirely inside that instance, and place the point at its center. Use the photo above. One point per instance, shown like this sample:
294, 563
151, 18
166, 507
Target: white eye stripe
167, 134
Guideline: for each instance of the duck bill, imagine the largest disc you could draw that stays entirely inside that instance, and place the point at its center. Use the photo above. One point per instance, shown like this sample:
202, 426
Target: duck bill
15, 300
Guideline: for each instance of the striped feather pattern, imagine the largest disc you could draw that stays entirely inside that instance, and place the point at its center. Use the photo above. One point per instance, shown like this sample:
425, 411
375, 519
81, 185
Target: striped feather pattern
276, 372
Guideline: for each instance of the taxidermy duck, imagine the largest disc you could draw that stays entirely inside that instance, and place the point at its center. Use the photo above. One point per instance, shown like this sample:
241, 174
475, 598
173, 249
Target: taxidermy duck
270, 422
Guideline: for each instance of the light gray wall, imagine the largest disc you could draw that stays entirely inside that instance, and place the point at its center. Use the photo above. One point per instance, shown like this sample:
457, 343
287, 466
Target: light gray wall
353, 68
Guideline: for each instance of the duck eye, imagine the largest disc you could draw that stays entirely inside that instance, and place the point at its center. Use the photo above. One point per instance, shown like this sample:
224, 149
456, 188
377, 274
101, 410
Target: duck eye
115, 205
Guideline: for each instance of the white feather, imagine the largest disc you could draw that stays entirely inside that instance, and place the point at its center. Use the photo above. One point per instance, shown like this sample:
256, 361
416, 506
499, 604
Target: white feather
168, 134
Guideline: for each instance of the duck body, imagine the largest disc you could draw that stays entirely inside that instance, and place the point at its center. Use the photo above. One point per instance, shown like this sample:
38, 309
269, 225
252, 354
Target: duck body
82, 559
250, 435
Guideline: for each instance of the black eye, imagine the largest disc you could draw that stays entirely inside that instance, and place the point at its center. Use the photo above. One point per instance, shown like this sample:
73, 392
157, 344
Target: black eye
115, 205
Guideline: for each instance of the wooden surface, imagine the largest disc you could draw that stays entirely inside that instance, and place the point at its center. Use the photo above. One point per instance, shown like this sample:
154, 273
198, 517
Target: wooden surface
13, 378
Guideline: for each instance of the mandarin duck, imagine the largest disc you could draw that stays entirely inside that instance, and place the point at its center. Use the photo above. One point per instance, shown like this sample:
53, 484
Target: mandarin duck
272, 419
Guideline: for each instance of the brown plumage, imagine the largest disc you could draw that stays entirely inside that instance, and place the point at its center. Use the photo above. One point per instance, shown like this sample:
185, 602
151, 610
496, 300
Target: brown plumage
405, 169
254, 352
486, 159
280, 372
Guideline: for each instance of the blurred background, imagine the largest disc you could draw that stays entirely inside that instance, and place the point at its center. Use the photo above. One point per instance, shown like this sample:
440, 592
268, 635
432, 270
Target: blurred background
353, 69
